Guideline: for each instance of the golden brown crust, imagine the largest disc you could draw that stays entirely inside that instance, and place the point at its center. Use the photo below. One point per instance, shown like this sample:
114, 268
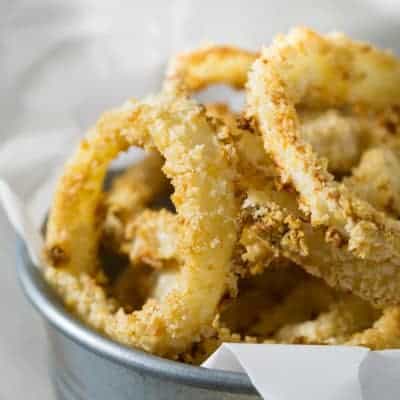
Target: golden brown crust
204, 199
303, 302
384, 333
339, 231
376, 179
273, 227
279, 80
336, 325
289, 234
334, 136
211, 65
129, 194
154, 239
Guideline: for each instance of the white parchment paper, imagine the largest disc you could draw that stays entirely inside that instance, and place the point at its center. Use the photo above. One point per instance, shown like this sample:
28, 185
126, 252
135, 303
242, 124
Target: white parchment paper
62, 63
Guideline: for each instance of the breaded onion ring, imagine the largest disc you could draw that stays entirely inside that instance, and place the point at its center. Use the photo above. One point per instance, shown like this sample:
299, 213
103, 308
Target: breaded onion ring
327, 131
272, 227
205, 203
211, 65
300, 69
276, 224
349, 320
339, 264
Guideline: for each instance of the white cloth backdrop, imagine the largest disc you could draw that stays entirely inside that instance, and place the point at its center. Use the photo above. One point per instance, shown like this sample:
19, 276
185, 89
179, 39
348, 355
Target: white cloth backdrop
61, 63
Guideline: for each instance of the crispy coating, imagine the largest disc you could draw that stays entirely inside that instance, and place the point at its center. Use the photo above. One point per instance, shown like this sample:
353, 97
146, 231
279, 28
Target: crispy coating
210, 65
302, 303
376, 179
273, 226
257, 295
328, 132
333, 326
84, 295
335, 137
384, 333
151, 236
352, 320
279, 80
205, 203
130, 193
346, 320
339, 137
154, 239
288, 233
338, 320
174, 299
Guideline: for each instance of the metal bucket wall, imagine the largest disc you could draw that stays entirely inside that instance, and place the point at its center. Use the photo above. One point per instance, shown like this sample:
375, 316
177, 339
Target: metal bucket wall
85, 365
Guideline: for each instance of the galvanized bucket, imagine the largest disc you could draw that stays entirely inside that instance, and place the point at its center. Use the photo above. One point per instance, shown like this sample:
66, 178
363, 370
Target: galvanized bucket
85, 365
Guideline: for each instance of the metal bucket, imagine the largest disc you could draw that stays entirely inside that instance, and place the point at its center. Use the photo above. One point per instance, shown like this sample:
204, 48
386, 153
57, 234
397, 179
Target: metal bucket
84, 365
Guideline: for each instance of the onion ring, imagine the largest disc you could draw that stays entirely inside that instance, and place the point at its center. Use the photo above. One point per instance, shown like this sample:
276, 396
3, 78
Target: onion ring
343, 257
211, 65
203, 67
173, 320
297, 69
275, 221
345, 321
289, 235
204, 198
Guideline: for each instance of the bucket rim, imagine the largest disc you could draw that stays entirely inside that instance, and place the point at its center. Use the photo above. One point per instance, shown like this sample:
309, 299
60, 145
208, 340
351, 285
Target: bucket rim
49, 305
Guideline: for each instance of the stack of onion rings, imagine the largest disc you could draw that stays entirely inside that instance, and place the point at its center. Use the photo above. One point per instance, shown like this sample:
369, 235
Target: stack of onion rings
300, 69
262, 199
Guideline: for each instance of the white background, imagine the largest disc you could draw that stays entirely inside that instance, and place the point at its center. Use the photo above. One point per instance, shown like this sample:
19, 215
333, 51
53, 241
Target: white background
61, 63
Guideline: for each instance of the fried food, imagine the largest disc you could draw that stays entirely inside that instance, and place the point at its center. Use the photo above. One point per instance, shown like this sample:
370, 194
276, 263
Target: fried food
154, 239
376, 179
334, 326
384, 333
283, 232
303, 302
285, 228
277, 83
130, 193
204, 200
211, 65
334, 136
346, 319
257, 295
350, 321
351, 136
340, 315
